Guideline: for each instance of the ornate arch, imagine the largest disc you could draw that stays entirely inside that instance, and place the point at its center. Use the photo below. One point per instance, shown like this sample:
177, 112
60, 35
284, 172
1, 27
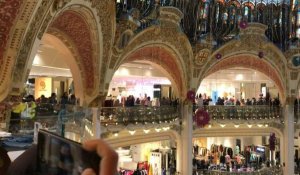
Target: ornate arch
102, 21
13, 13
74, 27
155, 45
244, 52
252, 62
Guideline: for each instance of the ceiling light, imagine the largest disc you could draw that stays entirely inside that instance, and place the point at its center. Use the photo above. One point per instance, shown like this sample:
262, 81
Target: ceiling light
266, 125
249, 126
209, 126
166, 128
222, 125
116, 134
259, 125
236, 126
239, 77
132, 132
146, 131
157, 129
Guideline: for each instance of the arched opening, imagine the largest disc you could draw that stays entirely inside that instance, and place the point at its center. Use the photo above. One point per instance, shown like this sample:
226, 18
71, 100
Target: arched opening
165, 60
238, 83
55, 65
254, 63
142, 79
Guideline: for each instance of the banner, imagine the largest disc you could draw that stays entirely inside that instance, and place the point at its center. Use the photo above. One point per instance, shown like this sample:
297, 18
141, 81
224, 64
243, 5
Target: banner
155, 163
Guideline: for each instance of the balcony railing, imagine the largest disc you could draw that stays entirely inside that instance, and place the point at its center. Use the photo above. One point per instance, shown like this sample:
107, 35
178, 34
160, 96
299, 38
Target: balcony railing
253, 112
135, 115
50, 115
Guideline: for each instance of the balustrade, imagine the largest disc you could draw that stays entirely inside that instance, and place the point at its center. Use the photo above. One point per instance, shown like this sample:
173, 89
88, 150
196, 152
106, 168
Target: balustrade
253, 112
50, 115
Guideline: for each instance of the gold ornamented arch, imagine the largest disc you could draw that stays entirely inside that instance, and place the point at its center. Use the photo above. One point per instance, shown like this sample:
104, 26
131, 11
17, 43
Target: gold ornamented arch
244, 52
172, 53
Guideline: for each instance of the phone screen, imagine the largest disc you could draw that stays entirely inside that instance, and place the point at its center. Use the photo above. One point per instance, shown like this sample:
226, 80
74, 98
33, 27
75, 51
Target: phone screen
61, 156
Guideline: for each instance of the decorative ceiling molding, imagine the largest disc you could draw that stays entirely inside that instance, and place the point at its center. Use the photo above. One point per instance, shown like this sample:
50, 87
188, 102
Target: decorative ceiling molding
161, 57
75, 26
28, 41
107, 15
9, 11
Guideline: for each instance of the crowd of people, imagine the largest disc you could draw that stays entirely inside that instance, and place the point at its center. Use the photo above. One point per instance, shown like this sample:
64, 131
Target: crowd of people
64, 99
201, 100
130, 101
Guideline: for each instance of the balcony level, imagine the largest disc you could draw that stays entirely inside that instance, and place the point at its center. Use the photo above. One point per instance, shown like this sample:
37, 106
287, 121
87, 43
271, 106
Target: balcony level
115, 119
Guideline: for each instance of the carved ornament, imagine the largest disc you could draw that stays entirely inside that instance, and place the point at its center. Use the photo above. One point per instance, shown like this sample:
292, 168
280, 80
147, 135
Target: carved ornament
73, 25
26, 45
107, 15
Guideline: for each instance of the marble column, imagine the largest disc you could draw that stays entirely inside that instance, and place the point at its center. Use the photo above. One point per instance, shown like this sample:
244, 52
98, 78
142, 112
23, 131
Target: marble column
282, 150
187, 136
179, 155
288, 139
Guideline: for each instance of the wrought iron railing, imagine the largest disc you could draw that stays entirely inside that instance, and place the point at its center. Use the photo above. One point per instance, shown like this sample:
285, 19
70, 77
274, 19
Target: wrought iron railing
49, 115
251, 112
135, 115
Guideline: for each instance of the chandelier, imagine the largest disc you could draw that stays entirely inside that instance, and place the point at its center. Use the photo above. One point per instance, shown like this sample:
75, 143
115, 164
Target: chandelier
221, 18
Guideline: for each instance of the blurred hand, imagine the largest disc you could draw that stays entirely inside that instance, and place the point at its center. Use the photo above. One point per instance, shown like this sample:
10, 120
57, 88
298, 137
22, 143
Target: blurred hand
109, 158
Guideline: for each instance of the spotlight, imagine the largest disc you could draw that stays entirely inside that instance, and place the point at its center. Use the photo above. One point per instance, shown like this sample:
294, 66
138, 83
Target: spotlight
236, 126
166, 128
146, 131
259, 125
157, 129
132, 132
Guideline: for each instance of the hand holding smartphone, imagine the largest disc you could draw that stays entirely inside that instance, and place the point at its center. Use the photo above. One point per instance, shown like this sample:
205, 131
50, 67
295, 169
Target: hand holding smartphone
60, 156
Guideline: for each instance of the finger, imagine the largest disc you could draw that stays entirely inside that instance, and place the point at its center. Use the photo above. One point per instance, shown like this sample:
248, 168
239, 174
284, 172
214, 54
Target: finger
88, 171
109, 158
100, 146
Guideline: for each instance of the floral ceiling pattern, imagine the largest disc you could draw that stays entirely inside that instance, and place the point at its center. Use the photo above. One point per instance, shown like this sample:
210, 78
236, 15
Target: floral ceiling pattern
8, 13
77, 29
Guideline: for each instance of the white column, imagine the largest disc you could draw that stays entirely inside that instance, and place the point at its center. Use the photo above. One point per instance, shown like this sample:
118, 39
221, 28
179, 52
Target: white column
187, 136
282, 149
289, 139
179, 158
96, 124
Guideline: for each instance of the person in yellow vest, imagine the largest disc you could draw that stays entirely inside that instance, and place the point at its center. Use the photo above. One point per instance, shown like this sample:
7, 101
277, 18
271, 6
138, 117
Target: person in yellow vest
30, 108
15, 117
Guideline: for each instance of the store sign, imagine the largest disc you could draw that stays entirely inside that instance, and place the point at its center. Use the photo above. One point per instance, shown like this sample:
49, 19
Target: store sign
155, 163
260, 149
43, 86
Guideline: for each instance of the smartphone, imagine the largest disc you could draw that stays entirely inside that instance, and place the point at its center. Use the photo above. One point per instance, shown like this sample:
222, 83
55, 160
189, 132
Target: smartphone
57, 155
